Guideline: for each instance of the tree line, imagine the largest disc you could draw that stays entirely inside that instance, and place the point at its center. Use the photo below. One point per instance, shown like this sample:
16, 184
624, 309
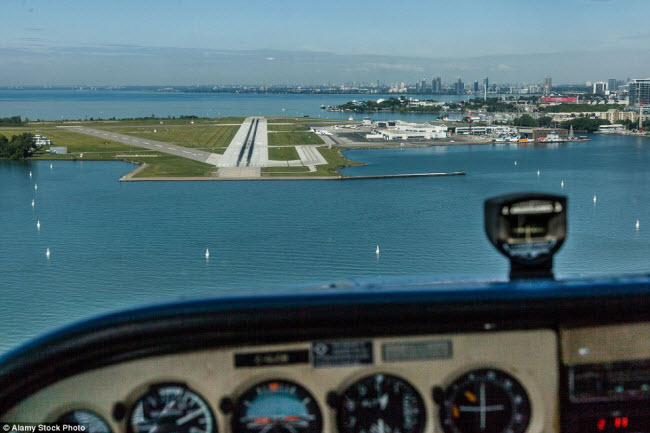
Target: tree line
580, 124
12, 121
19, 146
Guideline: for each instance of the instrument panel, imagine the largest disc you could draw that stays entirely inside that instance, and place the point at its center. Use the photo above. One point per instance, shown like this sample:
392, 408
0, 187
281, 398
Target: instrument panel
457, 383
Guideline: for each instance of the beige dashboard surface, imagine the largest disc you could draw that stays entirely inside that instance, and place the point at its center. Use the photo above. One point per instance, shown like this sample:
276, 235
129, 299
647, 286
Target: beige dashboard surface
529, 356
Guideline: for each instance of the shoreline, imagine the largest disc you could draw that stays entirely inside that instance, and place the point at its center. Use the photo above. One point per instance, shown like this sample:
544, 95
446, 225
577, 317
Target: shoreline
127, 178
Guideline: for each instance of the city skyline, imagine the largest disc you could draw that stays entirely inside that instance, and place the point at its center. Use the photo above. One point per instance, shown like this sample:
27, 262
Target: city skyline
185, 43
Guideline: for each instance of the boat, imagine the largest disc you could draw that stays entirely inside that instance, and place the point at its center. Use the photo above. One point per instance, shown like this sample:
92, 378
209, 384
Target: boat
552, 138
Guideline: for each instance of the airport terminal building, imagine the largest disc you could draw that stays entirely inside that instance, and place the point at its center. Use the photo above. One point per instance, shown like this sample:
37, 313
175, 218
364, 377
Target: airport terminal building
398, 130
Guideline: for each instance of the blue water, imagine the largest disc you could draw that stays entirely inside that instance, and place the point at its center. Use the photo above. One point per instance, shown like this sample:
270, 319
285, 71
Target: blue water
70, 104
116, 244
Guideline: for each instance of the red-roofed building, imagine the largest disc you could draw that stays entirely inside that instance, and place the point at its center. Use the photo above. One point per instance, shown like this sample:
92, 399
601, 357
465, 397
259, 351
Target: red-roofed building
559, 99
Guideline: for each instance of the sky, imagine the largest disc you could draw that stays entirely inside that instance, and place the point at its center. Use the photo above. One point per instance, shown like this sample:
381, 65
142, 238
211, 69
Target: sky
187, 42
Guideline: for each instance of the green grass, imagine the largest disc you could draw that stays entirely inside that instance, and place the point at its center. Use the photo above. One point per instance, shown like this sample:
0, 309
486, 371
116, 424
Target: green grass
211, 138
95, 148
293, 138
335, 161
283, 153
290, 127
310, 120
142, 122
174, 166
75, 141
286, 170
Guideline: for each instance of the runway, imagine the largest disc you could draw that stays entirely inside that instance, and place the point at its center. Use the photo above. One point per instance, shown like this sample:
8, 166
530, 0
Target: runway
246, 154
160, 146
249, 147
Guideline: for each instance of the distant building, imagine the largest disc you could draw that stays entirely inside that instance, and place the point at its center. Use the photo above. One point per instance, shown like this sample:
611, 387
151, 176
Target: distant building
58, 150
612, 84
40, 140
599, 88
459, 87
475, 86
548, 85
423, 85
536, 134
436, 85
398, 130
640, 91
611, 128
486, 85
559, 99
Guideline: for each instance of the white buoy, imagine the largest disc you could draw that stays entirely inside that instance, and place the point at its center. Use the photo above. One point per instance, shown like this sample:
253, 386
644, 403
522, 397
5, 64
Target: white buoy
377, 250
515, 163
51, 166
33, 203
47, 253
637, 224
38, 225
35, 186
594, 199
537, 172
207, 253
30, 174
562, 184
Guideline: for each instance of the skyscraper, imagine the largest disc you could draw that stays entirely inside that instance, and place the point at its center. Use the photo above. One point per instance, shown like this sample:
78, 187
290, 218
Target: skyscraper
640, 91
475, 87
612, 84
548, 85
436, 85
423, 85
459, 87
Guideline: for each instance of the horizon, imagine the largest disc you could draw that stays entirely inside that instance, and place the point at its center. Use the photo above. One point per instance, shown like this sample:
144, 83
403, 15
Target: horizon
179, 43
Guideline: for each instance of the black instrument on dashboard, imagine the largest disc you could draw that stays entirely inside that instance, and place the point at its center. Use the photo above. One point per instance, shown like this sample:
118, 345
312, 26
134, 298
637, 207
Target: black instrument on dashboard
277, 406
607, 397
485, 400
381, 403
528, 228
88, 420
171, 408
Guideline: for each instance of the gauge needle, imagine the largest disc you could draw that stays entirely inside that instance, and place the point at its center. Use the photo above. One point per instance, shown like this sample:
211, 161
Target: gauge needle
383, 401
189, 416
380, 427
167, 407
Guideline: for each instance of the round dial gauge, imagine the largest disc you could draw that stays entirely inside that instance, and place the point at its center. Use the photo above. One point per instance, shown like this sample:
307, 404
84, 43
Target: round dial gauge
171, 408
381, 403
277, 406
91, 422
485, 401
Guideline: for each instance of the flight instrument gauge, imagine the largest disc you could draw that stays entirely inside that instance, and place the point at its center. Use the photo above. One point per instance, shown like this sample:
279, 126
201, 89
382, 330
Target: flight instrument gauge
277, 406
90, 421
485, 401
381, 403
171, 408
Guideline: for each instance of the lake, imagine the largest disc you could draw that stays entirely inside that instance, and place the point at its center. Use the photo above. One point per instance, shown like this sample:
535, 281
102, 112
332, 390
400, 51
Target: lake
71, 104
116, 245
